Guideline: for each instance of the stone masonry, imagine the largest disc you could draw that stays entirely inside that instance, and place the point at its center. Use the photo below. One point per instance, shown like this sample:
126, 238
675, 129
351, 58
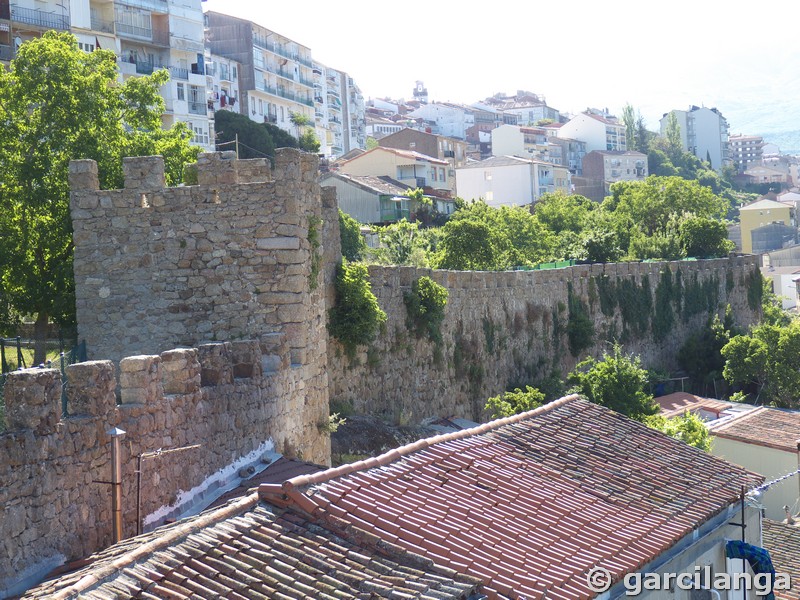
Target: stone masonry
507, 329
227, 399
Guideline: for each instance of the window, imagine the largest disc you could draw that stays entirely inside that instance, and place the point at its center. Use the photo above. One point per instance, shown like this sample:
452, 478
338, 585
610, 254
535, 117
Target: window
234, 72
433, 173
260, 106
441, 174
181, 92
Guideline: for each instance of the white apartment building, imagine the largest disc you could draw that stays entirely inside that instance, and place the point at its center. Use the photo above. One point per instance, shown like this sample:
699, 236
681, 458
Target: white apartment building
276, 77
145, 35
746, 150
510, 180
599, 132
339, 112
222, 86
704, 133
451, 120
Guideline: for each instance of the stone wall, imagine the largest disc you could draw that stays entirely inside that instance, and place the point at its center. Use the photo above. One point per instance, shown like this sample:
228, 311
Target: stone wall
230, 400
157, 267
509, 329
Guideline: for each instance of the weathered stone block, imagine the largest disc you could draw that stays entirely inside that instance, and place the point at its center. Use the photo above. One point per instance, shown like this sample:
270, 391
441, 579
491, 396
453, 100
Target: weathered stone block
246, 355
144, 173
33, 400
91, 388
140, 379
215, 364
180, 371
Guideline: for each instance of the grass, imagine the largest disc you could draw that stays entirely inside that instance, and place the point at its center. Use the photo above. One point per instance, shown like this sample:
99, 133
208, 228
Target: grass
27, 357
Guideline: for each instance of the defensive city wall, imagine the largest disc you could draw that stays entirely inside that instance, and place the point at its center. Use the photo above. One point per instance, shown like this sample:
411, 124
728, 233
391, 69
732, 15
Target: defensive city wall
204, 309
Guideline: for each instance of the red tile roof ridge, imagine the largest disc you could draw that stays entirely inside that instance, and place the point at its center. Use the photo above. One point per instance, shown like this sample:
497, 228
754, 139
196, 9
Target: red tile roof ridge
303, 481
159, 543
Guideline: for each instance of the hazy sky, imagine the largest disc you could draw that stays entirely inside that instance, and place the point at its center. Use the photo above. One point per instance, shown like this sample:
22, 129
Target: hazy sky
576, 54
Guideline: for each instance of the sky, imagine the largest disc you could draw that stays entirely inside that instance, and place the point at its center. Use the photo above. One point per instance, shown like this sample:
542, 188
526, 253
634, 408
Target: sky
575, 54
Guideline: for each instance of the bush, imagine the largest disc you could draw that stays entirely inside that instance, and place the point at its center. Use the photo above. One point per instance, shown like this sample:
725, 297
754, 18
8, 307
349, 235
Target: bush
425, 308
353, 244
513, 403
356, 317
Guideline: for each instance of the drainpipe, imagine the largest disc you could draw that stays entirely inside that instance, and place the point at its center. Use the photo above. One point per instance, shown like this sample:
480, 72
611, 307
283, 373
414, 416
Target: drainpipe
116, 481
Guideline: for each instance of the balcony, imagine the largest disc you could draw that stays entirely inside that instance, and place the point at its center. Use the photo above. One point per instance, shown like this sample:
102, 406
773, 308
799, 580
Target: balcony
157, 6
101, 25
39, 18
126, 30
142, 67
261, 42
179, 73
197, 108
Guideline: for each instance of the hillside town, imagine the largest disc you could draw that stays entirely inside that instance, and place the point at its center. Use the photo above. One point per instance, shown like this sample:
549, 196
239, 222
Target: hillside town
262, 336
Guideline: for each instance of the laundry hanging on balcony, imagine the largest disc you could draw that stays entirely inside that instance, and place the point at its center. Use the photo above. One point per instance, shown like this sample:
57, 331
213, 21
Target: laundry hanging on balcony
758, 558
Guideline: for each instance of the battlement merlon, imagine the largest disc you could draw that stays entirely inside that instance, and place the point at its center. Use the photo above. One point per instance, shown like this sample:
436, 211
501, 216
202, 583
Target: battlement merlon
146, 173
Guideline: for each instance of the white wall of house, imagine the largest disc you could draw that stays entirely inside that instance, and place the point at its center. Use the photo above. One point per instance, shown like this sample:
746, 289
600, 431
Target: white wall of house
508, 140
498, 186
586, 129
769, 462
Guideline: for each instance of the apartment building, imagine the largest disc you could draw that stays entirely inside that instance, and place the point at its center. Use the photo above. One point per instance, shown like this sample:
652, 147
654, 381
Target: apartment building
447, 119
704, 133
597, 131
601, 169
527, 142
339, 112
510, 180
745, 151
146, 35
222, 86
405, 166
276, 75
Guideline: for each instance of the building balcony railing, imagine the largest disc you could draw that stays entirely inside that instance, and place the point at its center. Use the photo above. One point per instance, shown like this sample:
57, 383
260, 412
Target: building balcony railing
132, 30
6, 52
158, 6
179, 73
142, 67
101, 25
39, 18
197, 108
289, 95
262, 42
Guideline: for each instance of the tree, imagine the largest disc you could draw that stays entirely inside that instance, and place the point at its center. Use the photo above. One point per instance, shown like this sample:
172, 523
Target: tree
355, 318
688, 428
256, 140
300, 121
353, 244
629, 119
673, 136
702, 237
651, 203
58, 103
514, 402
618, 382
766, 363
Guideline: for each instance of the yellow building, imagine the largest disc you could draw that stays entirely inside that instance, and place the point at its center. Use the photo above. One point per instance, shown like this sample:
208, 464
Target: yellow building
760, 213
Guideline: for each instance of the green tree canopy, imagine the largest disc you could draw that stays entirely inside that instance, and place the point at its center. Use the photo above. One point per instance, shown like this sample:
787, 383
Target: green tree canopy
58, 103
256, 140
353, 244
651, 203
688, 428
618, 382
514, 402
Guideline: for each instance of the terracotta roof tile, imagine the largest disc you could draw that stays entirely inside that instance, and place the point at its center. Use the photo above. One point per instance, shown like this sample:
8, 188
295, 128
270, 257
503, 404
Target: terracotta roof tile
772, 427
248, 550
783, 543
533, 501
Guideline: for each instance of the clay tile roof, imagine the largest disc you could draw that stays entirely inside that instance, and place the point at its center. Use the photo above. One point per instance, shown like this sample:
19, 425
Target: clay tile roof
783, 543
252, 550
676, 403
531, 502
771, 427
